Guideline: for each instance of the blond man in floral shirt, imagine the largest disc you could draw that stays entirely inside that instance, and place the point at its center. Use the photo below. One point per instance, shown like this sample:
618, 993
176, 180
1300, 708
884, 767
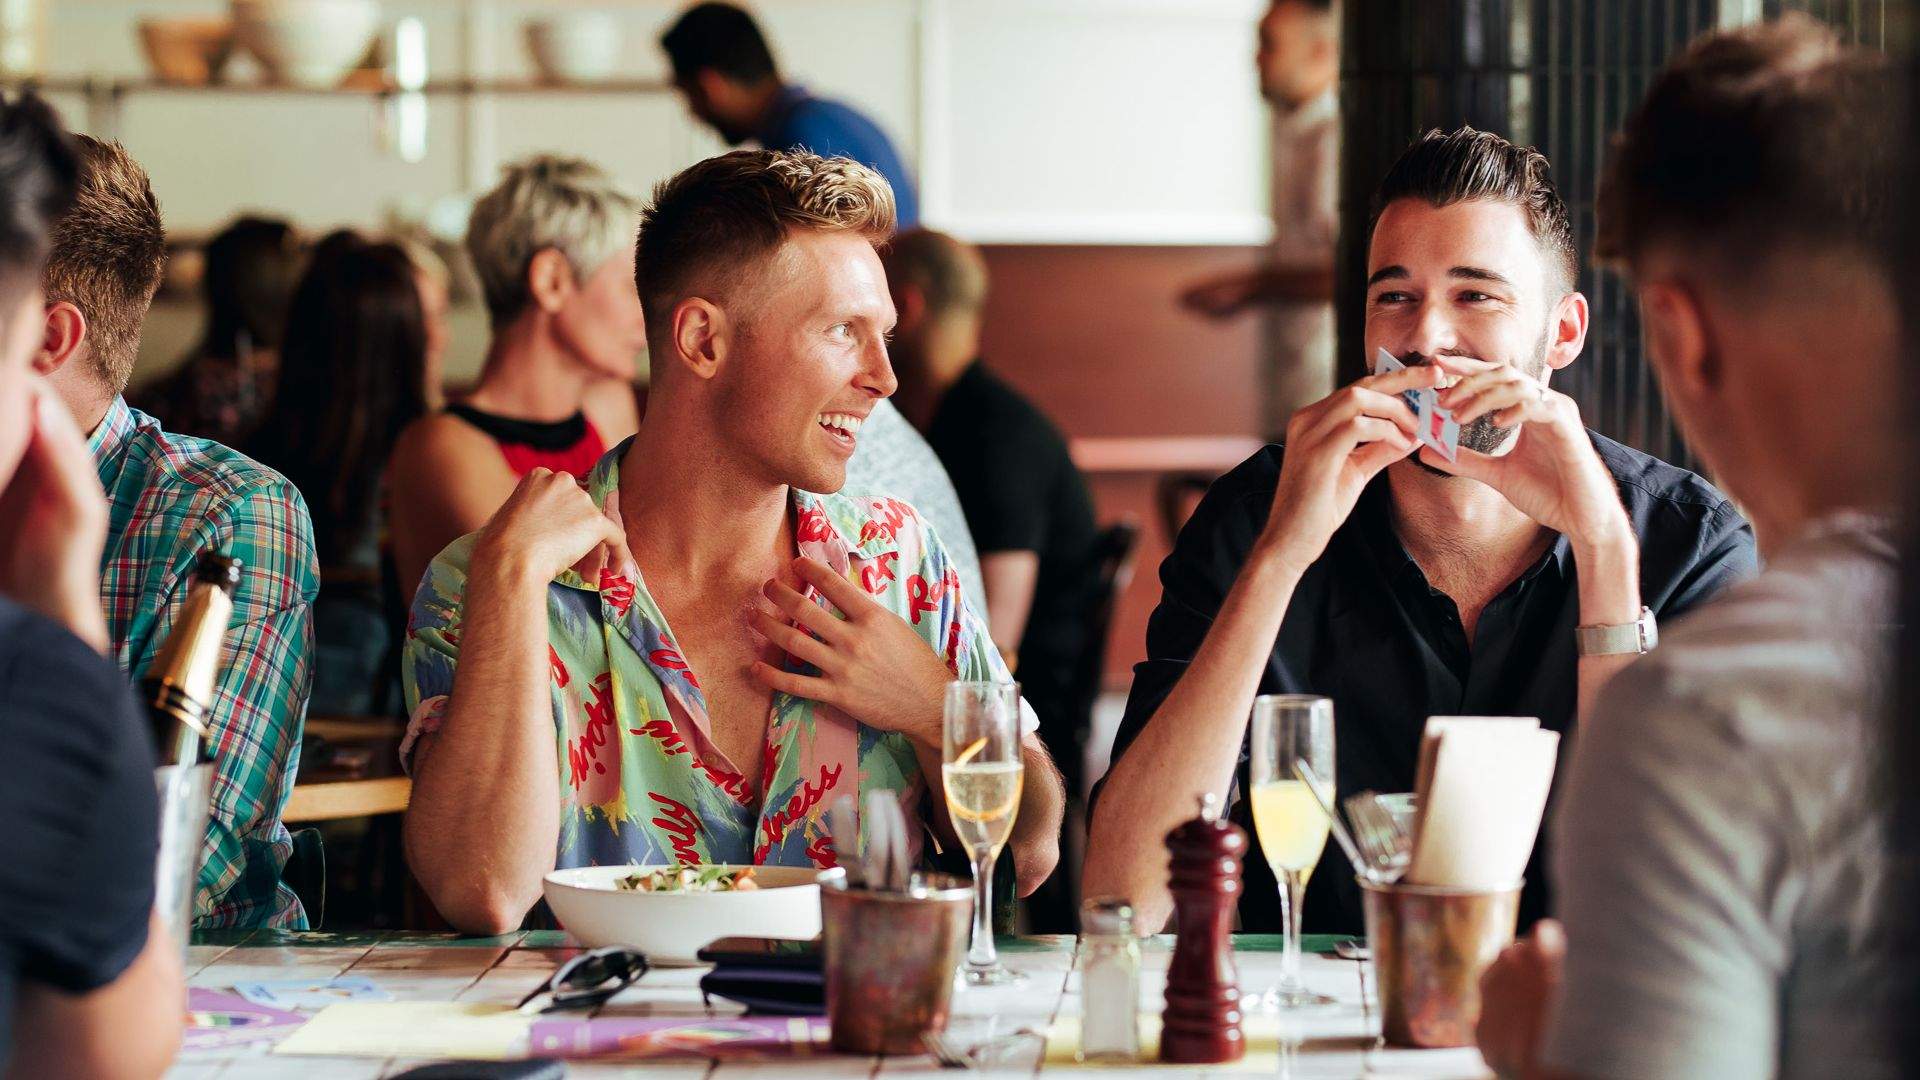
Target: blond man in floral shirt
693, 657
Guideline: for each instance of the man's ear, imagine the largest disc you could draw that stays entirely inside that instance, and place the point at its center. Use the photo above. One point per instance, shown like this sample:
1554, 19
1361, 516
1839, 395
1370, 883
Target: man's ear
909, 306
715, 89
550, 279
700, 339
1567, 333
1679, 340
64, 340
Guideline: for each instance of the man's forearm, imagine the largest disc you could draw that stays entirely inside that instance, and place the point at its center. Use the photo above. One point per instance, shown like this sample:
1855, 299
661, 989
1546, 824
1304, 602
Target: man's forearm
1275, 282
1609, 572
1036, 831
1190, 746
484, 821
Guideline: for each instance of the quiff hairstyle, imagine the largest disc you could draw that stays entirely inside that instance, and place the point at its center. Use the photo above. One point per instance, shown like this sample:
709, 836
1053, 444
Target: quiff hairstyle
541, 202
1442, 168
107, 255
1752, 139
717, 219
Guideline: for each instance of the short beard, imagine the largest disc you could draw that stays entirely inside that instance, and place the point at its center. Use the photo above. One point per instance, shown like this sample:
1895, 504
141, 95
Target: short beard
1483, 435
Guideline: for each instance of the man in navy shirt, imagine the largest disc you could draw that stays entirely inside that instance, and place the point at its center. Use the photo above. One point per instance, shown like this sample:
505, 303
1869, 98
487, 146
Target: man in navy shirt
722, 64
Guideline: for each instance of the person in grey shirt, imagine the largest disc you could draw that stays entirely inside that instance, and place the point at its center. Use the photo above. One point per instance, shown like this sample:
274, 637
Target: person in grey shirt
1719, 855
892, 459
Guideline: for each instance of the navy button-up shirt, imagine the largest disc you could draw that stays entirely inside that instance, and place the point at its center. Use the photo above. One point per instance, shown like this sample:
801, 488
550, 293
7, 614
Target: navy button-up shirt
1366, 629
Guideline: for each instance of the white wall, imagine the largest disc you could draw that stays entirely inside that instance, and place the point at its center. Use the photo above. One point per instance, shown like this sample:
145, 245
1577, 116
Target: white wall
1028, 121
1095, 121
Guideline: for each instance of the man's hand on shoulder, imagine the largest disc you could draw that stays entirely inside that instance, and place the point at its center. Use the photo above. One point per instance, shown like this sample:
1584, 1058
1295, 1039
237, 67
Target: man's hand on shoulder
50, 558
548, 524
1334, 448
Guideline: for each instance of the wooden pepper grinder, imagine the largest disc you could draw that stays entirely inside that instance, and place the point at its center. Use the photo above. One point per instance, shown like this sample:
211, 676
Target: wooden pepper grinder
1202, 1022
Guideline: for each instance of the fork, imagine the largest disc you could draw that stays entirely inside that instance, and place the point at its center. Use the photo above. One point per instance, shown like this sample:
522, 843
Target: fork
951, 1054
947, 1052
1381, 834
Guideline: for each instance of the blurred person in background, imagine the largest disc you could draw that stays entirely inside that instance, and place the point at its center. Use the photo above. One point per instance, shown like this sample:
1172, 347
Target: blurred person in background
1722, 859
435, 281
172, 499
90, 979
552, 244
1299, 67
355, 371
1027, 504
724, 68
225, 385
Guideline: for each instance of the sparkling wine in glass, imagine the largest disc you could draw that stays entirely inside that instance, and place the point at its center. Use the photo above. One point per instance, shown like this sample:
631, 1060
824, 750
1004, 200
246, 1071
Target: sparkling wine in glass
1289, 728
983, 775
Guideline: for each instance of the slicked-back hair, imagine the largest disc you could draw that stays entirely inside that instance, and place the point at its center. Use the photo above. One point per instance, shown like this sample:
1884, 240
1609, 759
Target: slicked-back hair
39, 168
108, 253
718, 37
1442, 168
1757, 138
718, 219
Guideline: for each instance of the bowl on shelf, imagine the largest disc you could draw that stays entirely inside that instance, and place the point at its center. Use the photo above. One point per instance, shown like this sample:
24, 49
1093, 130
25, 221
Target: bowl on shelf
307, 42
575, 46
670, 927
187, 51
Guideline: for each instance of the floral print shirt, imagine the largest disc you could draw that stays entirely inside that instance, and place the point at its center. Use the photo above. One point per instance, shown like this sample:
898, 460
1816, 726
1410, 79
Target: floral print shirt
640, 778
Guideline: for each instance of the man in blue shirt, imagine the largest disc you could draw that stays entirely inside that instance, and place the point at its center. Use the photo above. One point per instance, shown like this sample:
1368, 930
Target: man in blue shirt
722, 64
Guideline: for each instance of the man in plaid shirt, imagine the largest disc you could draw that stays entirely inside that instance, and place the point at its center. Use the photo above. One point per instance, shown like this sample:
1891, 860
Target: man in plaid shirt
171, 498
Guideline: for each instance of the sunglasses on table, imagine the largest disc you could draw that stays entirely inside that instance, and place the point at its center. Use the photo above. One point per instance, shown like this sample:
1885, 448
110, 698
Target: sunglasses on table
587, 980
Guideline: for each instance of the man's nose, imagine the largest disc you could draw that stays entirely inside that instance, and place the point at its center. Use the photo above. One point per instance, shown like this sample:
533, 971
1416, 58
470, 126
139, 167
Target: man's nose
876, 375
1433, 331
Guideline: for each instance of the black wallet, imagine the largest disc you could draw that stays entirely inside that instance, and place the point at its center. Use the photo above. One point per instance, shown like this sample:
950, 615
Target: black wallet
769, 991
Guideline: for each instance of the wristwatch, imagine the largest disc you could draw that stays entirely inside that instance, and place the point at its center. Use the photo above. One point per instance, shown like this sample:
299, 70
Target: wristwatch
1635, 637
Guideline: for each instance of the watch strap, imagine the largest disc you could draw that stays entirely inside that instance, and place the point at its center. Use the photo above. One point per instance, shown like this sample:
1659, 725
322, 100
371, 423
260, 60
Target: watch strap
1632, 638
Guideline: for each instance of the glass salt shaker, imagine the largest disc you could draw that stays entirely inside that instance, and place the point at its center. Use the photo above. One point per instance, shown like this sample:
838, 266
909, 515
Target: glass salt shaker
1109, 983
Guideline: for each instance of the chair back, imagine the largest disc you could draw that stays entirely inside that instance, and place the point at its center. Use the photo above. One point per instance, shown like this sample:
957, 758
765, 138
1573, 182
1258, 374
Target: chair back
1113, 554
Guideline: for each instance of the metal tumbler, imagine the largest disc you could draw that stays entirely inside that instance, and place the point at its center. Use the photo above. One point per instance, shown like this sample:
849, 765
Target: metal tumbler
891, 959
186, 801
1430, 947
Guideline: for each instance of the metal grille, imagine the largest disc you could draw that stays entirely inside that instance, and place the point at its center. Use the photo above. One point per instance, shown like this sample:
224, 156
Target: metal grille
1561, 75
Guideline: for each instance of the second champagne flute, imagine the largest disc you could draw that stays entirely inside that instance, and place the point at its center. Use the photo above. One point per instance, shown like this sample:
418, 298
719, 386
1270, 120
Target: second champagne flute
983, 774
1289, 728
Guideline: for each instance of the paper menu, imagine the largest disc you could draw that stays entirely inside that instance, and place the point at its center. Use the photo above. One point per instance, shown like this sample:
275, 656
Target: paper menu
1483, 786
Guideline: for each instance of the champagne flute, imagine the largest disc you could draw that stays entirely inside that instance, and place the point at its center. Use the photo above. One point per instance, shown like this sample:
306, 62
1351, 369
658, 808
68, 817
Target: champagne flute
1292, 826
983, 774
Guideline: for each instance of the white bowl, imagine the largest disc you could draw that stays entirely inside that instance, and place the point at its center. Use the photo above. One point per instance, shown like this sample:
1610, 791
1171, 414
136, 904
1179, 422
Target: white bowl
671, 926
307, 42
577, 46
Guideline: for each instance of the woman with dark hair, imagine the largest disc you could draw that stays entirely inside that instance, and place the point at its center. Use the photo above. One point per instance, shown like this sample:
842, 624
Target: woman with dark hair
353, 373
224, 387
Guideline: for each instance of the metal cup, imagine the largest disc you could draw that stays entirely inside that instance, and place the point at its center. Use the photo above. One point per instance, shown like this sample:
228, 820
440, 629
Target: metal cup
890, 960
1430, 947
186, 801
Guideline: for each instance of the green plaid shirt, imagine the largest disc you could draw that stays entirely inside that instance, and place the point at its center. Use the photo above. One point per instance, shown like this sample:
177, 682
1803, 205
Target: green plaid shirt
171, 498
